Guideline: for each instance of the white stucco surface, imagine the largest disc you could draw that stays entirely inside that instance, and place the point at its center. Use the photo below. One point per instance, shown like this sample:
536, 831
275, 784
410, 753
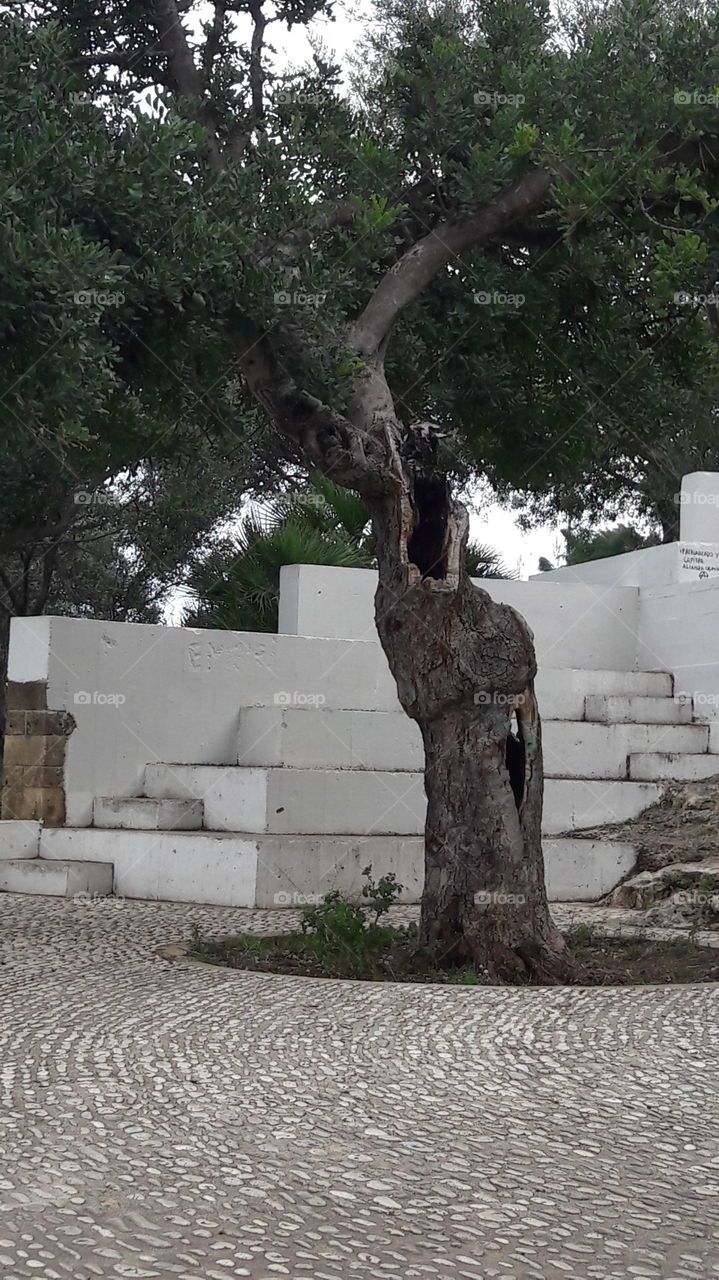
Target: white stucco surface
575, 624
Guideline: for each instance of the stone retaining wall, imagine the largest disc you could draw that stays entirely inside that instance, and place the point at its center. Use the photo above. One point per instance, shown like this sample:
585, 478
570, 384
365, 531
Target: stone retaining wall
34, 756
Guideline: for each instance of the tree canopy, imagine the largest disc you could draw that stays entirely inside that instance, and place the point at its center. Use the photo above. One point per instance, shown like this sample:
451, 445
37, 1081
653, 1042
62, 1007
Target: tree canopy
571, 359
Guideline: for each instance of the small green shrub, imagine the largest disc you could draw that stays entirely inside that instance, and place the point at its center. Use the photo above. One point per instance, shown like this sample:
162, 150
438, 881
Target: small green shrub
343, 936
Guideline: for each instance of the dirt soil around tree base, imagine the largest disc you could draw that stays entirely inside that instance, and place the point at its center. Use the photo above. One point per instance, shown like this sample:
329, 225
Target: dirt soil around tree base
601, 960
683, 827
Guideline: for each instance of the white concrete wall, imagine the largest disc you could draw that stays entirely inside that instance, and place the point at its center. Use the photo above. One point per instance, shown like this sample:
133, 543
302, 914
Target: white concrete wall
679, 630
699, 507
646, 568
143, 693
150, 693
574, 624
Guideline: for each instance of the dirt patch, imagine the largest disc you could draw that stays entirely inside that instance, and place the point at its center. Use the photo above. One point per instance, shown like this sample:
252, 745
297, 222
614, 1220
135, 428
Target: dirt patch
601, 961
683, 827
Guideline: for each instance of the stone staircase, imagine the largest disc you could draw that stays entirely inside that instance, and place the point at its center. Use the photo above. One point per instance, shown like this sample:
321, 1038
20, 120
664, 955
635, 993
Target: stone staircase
315, 794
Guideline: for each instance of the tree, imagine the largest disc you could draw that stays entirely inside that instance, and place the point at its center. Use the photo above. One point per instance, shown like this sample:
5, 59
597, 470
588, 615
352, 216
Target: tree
582, 545
237, 584
101, 414
489, 150
597, 544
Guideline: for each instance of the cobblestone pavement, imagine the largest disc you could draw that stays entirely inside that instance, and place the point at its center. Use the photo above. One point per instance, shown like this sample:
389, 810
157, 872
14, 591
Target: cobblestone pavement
176, 1120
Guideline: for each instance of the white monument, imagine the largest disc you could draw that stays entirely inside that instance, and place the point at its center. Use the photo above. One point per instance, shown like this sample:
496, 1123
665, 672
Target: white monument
699, 526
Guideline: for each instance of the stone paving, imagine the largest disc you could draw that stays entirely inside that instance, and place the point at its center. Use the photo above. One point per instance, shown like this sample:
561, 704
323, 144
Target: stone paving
177, 1120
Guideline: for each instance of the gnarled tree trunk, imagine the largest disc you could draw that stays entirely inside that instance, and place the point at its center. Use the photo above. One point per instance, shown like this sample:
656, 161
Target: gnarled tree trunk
465, 668
464, 664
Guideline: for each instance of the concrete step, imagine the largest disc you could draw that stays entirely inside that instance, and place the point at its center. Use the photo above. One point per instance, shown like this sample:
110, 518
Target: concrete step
573, 804
671, 766
275, 737
366, 802
19, 839
245, 870
320, 739
62, 878
296, 801
562, 691
140, 813
579, 870
580, 749
628, 709
171, 866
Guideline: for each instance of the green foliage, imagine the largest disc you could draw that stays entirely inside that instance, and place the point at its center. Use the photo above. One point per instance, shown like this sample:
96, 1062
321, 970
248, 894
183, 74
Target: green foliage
598, 388
598, 544
237, 584
482, 561
342, 936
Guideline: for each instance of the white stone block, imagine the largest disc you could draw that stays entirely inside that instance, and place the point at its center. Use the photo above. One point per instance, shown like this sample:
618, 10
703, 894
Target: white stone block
672, 766
633, 710
287, 736
649, 567
699, 507
581, 749
295, 871
298, 801
19, 839
698, 561
281, 872
234, 799
584, 870
360, 802
574, 624
169, 866
562, 691
139, 813
574, 804
57, 879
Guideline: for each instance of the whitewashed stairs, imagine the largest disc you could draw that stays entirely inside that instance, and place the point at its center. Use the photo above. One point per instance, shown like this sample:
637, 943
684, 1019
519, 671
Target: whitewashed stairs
316, 794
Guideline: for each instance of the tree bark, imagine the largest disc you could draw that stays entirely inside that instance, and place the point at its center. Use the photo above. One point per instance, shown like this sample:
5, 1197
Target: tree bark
4, 651
465, 666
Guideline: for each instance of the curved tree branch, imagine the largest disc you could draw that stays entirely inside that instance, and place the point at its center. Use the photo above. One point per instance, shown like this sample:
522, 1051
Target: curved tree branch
420, 264
187, 79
